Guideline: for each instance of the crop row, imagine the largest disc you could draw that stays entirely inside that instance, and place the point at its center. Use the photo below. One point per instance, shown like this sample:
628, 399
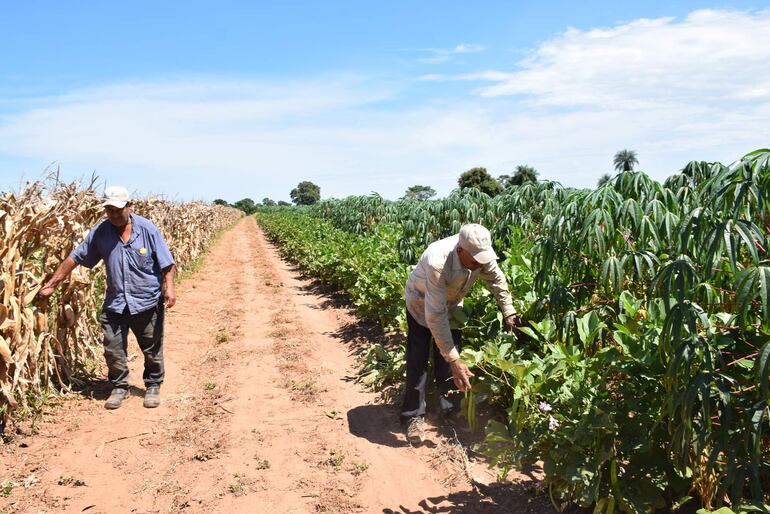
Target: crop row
366, 267
641, 379
47, 345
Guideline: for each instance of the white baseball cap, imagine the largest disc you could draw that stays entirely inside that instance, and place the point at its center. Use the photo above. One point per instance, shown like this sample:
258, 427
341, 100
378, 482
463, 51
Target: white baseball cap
116, 196
477, 241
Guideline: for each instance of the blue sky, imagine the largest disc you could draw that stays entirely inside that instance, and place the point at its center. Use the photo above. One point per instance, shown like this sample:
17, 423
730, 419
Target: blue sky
245, 99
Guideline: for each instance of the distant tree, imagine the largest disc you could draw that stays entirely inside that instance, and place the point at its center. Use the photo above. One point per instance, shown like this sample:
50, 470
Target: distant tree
419, 193
281, 203
267, 202
624, 160
603, 180
306, 193
523, 174
247, 205
480, 179
219, 201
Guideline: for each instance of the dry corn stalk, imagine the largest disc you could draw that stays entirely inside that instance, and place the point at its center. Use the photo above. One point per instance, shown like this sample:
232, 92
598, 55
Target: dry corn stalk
41, 344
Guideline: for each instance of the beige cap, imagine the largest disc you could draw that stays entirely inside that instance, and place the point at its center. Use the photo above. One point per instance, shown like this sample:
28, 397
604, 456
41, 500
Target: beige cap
116, 196
477, 241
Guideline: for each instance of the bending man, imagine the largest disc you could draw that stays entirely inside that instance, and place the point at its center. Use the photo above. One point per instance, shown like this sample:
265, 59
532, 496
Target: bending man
444, 274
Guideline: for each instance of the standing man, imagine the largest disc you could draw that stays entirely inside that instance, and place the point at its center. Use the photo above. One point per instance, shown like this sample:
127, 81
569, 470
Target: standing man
140, 283
444, 274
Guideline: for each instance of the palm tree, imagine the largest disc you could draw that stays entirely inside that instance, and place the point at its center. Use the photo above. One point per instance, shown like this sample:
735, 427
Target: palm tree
603, 180
624, 160
523, 174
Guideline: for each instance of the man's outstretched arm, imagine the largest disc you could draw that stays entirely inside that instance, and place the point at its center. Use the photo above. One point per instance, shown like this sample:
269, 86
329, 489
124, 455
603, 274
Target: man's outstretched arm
62, 272
495, 281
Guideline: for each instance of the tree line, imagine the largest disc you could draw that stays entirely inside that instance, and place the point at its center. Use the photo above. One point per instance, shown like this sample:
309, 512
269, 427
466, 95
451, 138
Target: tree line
308, 193
481, 179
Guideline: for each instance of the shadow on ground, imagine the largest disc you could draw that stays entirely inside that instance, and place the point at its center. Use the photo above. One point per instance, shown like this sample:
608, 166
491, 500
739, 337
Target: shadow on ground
379, 424
358, 335
101, 389
495, 498
333, 298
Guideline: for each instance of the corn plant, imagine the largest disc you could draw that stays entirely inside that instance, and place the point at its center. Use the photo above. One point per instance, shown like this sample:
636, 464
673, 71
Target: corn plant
44, 346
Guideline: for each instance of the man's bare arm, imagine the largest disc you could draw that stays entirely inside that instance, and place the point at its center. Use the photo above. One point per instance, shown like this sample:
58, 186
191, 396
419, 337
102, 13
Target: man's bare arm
169, 294
62, 272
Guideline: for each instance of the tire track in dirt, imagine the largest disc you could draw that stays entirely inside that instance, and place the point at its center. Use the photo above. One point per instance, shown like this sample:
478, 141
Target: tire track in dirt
296, 450
258, 415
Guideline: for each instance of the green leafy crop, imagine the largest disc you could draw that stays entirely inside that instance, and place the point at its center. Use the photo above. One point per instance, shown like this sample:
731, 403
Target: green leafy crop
641, 380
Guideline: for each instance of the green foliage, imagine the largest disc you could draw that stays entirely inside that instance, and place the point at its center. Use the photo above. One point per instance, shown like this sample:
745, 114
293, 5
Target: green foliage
247, 205
306, 193
420, 222
219, 201
606, 177
625, 160
479, 178
267, 202
368, 268
522, 175
642, 377
419, 193
382, 366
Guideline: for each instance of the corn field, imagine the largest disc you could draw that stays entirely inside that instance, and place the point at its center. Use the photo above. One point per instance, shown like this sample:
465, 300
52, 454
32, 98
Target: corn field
45, 346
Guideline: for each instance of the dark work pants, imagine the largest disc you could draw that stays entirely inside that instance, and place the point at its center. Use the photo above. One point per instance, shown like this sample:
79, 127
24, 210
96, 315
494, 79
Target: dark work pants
418, 346
147, 327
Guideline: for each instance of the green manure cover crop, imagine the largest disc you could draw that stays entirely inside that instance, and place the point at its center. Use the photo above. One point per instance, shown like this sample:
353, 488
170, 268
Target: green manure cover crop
641, 379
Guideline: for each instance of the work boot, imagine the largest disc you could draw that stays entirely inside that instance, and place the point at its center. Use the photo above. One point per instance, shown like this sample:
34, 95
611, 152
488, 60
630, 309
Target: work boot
415, 432
116, 398
152, 396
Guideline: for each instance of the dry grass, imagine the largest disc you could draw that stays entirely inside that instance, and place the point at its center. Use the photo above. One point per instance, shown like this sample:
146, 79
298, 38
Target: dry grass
45, 345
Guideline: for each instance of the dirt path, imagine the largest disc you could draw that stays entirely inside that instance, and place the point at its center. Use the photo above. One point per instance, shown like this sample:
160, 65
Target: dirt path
259, 415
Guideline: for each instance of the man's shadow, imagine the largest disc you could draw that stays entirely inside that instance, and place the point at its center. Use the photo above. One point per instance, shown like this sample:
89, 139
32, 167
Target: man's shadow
101, 389
495, 498
379, 424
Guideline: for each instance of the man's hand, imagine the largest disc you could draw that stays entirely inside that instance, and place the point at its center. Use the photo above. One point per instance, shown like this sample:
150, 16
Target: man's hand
64, 269
46, 292
512, 321
169, 296
461, 375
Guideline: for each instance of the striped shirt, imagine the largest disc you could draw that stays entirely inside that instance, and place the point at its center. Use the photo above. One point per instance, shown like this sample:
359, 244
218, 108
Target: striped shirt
438, 284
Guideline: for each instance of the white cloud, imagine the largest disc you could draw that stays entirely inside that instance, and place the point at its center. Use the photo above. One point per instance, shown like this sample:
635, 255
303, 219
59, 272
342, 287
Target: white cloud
711, 56
442, 55
207, 138
468, 49
491, 75
671, 90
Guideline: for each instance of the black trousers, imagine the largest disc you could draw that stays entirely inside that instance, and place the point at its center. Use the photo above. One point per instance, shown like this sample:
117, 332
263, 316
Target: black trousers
147, 326
418, 346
